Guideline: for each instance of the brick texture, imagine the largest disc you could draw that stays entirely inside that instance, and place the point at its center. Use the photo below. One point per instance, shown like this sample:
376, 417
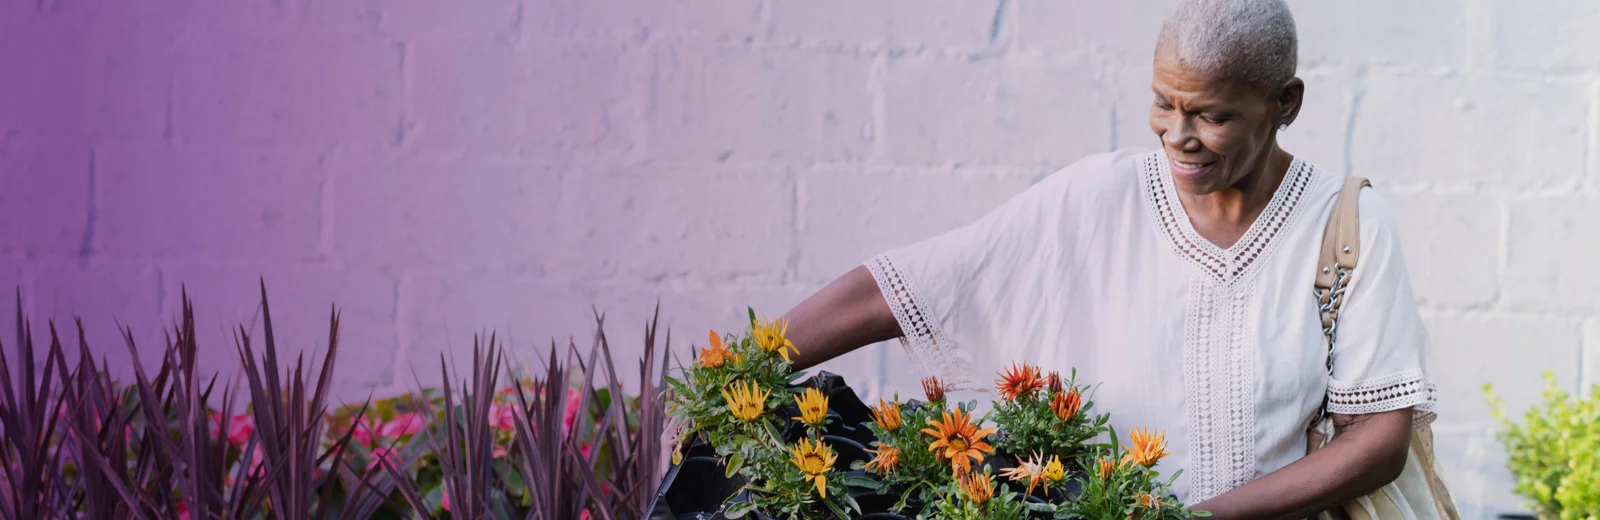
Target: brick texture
437, 169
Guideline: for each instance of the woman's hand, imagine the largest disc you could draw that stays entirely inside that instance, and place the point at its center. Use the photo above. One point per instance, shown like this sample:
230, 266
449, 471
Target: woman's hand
1367, 452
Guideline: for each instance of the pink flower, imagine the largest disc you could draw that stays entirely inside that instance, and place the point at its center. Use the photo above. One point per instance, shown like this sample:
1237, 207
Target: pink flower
502, 417
572, 413
364, 431
183, 510
240, 429
402, 425
444, 498
381, 455
499, 451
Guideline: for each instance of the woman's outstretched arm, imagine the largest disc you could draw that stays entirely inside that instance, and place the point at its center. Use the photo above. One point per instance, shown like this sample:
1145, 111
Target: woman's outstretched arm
847, 314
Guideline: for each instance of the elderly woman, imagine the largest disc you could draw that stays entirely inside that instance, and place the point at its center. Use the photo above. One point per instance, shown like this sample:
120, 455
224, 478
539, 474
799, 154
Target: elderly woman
1181, 279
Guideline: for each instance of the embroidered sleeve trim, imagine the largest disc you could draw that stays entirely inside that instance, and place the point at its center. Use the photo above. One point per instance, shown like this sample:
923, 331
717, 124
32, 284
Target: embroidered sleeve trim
1382, 394
929, 347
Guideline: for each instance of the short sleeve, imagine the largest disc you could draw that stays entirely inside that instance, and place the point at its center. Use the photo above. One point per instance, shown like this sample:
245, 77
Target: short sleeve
1380, 343
957, 295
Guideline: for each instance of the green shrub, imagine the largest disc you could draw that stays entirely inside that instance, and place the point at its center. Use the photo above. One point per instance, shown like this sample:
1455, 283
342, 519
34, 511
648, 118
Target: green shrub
1555, 452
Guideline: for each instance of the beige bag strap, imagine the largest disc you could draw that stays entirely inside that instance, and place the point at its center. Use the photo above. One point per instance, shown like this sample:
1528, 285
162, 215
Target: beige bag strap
1341, 248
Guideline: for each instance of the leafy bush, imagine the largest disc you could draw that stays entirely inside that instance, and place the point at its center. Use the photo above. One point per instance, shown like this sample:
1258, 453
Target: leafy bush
1555, 453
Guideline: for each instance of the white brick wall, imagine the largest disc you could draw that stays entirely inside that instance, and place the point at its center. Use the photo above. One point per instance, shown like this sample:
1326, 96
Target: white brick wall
440, 168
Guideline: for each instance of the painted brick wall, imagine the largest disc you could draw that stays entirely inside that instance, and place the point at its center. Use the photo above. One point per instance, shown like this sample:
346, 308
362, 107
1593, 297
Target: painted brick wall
441, 168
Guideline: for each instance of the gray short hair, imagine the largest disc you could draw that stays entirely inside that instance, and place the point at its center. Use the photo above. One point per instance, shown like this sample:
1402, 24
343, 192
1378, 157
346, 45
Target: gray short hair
1252, 40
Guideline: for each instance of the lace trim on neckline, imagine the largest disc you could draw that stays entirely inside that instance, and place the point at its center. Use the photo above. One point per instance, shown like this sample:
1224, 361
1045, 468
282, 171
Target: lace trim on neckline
1238, 261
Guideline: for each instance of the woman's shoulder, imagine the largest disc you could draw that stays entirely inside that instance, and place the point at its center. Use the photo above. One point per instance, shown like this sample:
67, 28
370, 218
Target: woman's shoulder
1098, 175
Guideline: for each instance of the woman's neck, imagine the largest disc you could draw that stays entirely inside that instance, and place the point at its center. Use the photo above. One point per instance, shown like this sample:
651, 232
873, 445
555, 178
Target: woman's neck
1224, 216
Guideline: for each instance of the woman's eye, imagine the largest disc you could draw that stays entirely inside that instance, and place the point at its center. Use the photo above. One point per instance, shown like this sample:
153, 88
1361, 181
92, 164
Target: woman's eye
1213, 120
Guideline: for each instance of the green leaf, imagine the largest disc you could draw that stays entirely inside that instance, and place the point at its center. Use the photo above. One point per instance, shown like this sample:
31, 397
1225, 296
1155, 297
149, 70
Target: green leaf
738, 509
752, 312
734, 463
837, 511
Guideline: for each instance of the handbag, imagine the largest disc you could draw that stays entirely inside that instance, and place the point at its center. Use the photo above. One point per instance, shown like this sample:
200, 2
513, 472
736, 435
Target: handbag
1419, 493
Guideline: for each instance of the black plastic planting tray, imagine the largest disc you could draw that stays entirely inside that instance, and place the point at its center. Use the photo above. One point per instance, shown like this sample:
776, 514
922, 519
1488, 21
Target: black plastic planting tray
696, 488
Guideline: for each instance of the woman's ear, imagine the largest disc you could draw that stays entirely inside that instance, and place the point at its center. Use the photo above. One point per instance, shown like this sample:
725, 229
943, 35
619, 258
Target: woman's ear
1290, 98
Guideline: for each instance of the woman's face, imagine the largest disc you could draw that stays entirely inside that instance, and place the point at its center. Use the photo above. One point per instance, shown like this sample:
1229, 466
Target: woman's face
1216, 131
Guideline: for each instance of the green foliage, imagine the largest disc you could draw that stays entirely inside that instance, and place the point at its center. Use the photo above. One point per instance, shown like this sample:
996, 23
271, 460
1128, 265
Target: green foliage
1006, 503
1555, 453
1127, 490
920, 473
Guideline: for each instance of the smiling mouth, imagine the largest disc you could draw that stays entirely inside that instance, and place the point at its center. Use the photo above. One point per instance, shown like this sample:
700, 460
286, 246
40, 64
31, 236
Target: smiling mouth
1193, 165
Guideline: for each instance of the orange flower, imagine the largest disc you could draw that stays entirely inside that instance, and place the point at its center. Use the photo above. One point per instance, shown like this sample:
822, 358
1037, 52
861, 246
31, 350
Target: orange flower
887, 415
1149, 501
1054, 382
1147, 449
977, 486
1066, 405
1030, 469
715, 355
1019, 382
933, 388
1106, 468
959, 439
884, 460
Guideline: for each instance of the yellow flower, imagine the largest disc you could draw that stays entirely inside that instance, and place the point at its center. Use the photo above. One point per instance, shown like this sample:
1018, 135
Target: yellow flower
933, 389
887, 415
815, 460
977, 486
715, 355
1054, 471
960, 439
1149, 501
1106, 467
746, 402
813, 407
884, 460
1066, 405
1019, 382
1147, 449
770, 336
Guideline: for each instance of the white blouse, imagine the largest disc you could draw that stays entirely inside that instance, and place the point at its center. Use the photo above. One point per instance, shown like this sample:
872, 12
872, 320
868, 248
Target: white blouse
1098, 268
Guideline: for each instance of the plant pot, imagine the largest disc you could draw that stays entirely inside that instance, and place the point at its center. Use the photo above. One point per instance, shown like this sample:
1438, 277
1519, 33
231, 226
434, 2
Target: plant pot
710, 486
1517, 516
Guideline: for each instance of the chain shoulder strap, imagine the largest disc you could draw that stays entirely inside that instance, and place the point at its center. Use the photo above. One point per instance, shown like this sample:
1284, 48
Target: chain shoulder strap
1341, 248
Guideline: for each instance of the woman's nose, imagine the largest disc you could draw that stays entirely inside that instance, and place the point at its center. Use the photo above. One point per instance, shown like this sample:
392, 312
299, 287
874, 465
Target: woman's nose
1180, 135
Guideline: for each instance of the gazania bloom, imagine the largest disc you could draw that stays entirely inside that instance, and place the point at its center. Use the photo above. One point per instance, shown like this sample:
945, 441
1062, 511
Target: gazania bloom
1149, 501
887, 415
1019, 382
933, 389
958, 440
977, 486
1106, 467
813, 407
747, 401
1027, 469
770, 337
715, 355
815, 459
1147, 448
1054, 382
1066, 405
1054, 471
884, 460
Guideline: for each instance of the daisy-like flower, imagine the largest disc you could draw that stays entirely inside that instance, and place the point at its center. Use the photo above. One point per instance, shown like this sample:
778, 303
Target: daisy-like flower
1149, 501
770, 336
1027, 469
1054, 382
887, 415
1054, 471
958, 440
977, 486
884, 459
1066, 405
933, 388
715, 355
815, 460
813, 407
1016, 382
747, 401
1147, 449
